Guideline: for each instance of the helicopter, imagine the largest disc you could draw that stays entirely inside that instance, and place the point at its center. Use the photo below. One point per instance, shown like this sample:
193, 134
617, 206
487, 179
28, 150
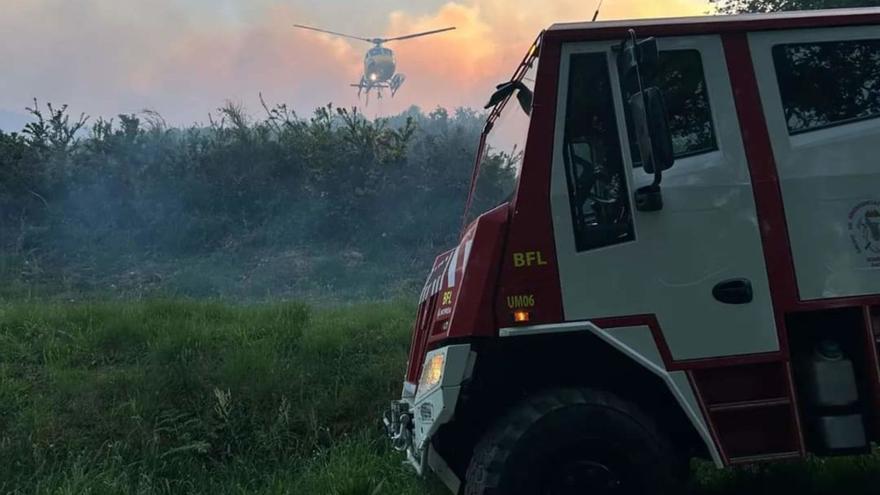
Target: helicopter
379, 63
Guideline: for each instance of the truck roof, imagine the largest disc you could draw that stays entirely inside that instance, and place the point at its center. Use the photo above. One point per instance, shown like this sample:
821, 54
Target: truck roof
715, 24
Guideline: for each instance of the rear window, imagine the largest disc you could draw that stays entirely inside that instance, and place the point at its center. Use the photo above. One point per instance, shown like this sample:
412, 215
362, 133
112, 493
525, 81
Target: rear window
824, 84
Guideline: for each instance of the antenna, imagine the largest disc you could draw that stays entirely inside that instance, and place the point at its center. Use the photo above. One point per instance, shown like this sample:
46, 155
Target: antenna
598, 8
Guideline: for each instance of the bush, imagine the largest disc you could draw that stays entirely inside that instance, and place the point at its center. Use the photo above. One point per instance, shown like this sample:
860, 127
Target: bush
85, 211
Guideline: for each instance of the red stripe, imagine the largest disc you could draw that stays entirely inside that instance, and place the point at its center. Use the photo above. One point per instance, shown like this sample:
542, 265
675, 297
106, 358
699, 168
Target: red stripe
670, 363
873, 366
795, 412
765, 181
713, 432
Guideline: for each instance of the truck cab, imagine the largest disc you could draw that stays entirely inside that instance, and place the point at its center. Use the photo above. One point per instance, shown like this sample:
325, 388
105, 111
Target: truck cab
688, 266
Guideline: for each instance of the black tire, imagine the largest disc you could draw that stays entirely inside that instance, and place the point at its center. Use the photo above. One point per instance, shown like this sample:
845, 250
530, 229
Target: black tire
573, 441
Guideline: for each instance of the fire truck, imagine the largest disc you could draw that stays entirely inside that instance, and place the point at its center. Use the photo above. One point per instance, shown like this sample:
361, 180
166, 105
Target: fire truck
688, 267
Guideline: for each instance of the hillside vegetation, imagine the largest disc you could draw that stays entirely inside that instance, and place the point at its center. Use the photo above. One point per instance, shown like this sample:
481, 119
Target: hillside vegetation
334, 206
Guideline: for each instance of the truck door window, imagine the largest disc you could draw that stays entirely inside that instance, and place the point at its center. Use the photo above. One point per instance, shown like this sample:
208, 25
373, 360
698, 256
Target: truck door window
824, 84
597, 188
680, 77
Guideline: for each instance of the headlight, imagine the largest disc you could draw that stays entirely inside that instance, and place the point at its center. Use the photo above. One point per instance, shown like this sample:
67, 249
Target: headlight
432, 372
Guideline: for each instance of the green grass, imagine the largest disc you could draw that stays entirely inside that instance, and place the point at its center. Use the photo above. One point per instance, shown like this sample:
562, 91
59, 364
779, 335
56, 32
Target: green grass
176, 396
199, 397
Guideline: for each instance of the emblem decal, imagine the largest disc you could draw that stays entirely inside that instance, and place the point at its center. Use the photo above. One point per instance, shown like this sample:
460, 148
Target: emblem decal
864, 230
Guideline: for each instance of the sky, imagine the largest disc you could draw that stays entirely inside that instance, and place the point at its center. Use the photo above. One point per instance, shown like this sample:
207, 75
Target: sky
186, 58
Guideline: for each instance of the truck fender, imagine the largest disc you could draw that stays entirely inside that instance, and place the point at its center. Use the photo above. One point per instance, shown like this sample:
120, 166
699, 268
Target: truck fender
638, 344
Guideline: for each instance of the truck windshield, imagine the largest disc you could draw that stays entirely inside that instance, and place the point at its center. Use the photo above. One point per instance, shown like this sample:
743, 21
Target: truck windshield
502, 144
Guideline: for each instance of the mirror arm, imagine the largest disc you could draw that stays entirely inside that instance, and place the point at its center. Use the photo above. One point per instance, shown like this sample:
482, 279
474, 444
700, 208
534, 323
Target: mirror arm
658, 174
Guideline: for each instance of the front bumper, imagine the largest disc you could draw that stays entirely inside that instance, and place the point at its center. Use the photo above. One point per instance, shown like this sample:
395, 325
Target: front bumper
398, 423
413, 420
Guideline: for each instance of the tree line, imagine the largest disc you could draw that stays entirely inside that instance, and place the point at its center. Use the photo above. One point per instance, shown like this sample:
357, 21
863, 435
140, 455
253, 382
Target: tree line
73, 191
746, 6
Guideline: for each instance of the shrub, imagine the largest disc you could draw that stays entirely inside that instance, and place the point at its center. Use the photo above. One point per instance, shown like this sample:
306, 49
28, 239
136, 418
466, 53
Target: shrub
91, 206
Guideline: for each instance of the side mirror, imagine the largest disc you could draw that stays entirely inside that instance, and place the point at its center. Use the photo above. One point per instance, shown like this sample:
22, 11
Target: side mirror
638, 63
651, 123
505, 90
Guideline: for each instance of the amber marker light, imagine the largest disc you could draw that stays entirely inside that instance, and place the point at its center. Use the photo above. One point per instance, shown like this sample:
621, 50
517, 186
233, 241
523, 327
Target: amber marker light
433, 372
520, 316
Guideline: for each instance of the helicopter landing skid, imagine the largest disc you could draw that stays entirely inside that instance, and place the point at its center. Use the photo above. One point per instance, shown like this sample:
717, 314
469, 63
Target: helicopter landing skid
395, 83
364, 87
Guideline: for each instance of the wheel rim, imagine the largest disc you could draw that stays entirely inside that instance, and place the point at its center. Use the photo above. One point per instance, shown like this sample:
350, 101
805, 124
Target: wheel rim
584, 477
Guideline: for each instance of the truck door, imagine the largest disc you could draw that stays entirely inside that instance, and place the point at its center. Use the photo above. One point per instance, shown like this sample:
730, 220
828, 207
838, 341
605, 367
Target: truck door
615, 261
820, 89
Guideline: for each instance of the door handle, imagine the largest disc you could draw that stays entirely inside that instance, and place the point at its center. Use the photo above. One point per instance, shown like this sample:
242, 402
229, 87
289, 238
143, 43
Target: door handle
733, 291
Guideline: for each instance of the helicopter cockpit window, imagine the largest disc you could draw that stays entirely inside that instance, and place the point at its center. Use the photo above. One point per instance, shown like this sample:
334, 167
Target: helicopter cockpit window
591, 150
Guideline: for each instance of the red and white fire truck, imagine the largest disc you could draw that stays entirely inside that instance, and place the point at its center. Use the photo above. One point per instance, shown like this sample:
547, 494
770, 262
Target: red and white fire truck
689, 266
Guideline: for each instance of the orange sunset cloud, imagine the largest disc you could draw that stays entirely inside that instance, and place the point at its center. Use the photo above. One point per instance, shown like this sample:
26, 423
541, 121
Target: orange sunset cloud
462, 67
105, 57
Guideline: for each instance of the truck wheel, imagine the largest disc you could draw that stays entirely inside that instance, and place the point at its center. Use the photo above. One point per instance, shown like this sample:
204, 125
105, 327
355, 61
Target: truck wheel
573, 441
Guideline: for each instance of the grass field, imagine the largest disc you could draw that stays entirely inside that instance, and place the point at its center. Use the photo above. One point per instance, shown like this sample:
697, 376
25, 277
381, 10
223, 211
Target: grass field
201, 397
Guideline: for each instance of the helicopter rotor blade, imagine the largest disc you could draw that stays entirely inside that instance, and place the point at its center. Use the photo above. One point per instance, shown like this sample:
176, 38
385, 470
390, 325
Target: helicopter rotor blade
416, 35
368, 40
